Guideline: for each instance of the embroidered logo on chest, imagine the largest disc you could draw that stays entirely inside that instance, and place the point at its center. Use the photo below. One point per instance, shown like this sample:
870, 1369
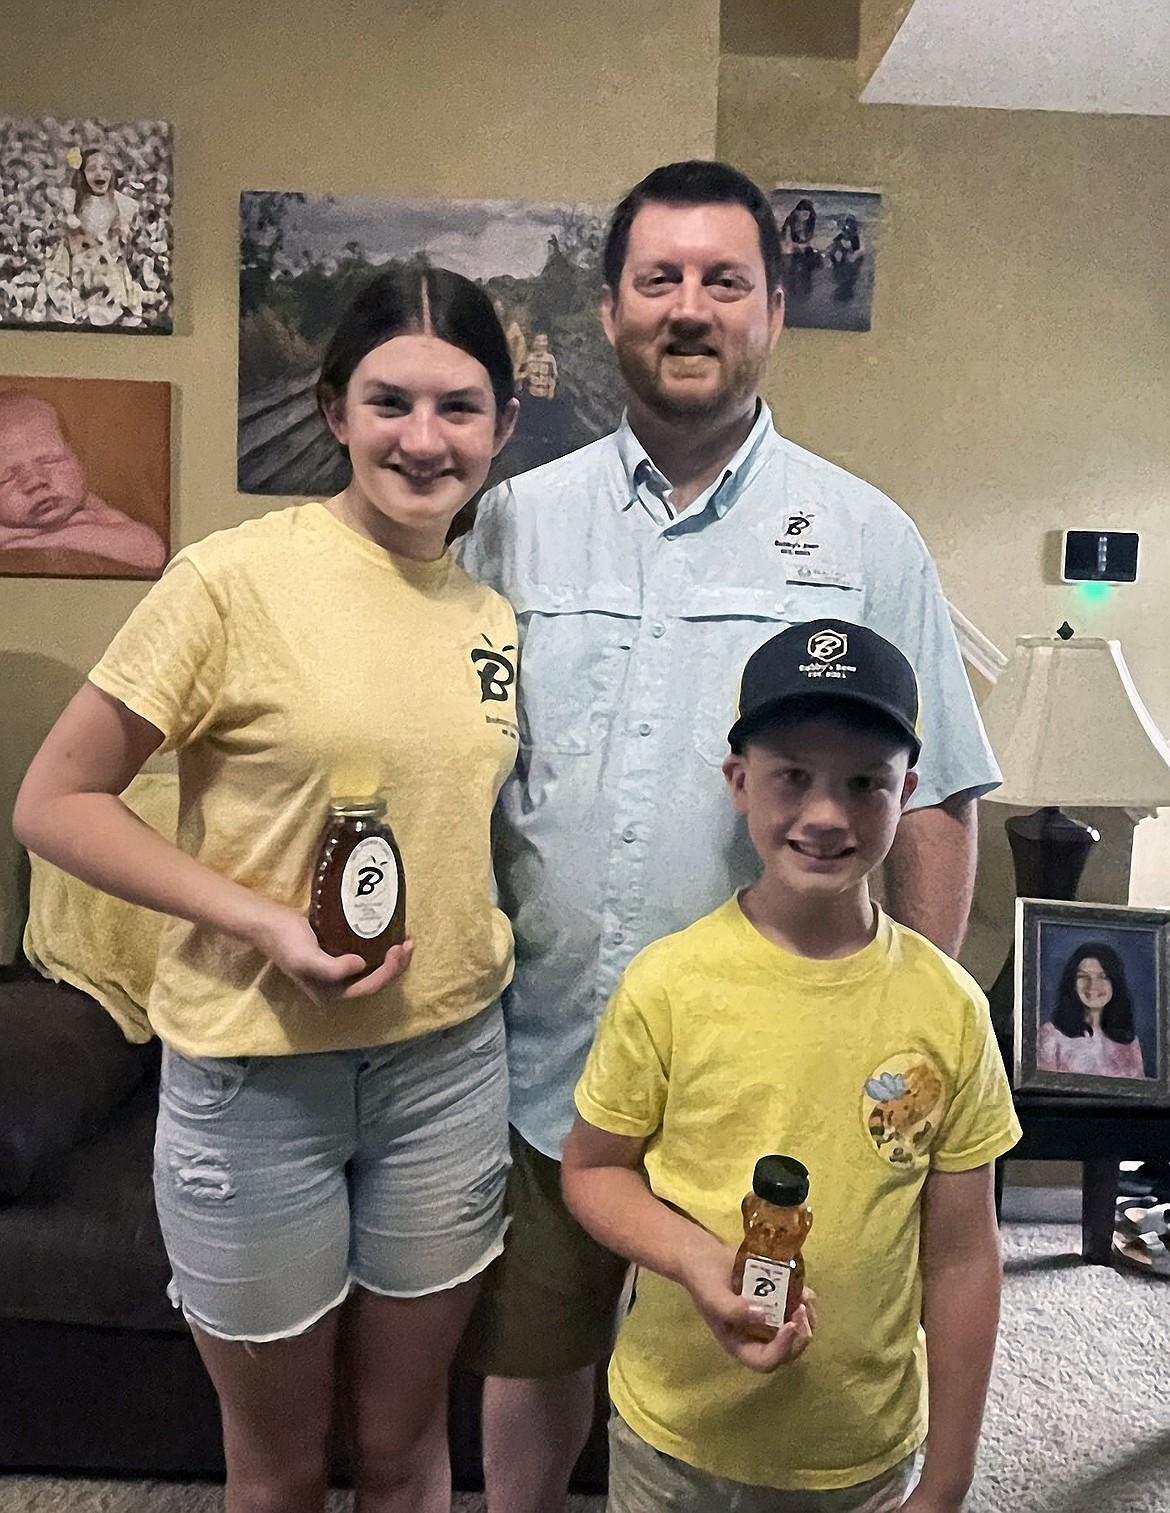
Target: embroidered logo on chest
795, 542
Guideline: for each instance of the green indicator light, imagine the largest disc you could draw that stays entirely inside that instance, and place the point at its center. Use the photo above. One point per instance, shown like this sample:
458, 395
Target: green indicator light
1093, 593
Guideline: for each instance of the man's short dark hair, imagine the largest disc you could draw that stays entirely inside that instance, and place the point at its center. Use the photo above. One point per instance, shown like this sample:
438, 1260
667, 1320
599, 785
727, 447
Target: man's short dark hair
694, 182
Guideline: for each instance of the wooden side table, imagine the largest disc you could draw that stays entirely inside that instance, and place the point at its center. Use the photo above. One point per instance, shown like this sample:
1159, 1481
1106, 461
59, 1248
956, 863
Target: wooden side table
1098, 1135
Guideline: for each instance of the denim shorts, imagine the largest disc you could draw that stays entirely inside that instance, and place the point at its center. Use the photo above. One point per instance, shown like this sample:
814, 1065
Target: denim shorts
283, 1181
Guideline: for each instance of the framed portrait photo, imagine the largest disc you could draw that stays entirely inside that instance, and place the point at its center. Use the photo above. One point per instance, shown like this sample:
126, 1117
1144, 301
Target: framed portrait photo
1091, 1000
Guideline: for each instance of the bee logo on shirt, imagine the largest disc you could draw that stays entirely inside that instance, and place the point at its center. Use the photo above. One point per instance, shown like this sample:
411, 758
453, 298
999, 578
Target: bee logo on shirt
902, 1107
495, 669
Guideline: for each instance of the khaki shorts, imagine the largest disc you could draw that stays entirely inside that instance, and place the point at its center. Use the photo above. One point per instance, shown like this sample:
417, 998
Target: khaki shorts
550, 1303
645, 1480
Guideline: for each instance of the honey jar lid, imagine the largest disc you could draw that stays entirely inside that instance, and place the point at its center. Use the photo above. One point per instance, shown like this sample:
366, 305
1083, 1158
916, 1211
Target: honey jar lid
370, 807
781, 1180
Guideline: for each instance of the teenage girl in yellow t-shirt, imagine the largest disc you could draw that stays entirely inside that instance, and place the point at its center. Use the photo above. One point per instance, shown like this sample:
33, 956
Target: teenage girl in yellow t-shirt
327, 1133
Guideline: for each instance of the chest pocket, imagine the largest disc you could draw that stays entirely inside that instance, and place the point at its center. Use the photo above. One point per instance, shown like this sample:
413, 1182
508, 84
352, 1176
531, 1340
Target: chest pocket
573, 665
727, 624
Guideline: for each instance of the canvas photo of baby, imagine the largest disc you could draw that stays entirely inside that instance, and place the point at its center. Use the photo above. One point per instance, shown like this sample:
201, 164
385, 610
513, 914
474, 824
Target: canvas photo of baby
84, 478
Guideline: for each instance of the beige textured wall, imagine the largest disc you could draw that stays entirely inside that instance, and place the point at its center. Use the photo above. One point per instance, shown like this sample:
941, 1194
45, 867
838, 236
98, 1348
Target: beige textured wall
449, 97
1017, 377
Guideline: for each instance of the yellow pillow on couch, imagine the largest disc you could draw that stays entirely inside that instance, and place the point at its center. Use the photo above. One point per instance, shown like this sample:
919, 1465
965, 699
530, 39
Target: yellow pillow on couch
100, 944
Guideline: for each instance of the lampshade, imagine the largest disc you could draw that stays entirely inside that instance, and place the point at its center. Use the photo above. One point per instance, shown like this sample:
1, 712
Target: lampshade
1069, 728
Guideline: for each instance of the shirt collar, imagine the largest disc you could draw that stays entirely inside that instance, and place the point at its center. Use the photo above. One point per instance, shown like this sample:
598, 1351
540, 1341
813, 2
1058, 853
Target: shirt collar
641, 472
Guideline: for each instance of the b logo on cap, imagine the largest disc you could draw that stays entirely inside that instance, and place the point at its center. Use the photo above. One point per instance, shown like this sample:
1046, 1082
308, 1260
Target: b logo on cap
828, 645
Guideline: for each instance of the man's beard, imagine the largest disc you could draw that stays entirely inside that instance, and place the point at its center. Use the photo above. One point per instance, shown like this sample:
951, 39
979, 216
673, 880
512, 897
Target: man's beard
682, 404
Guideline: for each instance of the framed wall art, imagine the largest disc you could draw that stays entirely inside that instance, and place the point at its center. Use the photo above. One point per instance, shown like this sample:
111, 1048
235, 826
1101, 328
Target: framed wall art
85, 468
85, 225
828, 241
303, 258
1091, 1000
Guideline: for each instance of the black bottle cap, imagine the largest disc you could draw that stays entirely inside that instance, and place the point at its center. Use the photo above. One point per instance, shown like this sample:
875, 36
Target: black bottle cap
781, 1180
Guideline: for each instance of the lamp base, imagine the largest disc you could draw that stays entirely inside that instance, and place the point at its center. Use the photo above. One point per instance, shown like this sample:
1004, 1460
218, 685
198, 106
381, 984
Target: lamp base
1049, 851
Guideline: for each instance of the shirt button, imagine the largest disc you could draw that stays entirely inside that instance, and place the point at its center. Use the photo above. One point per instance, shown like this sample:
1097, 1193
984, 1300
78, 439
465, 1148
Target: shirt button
628, 833
644, 728
659, 629
617, 937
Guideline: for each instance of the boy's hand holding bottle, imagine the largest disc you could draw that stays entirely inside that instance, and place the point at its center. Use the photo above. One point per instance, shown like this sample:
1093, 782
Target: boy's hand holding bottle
736, 1322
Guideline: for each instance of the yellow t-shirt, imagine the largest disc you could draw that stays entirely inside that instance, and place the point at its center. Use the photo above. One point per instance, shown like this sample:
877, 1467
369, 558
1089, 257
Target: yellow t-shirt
288, 662
872, 1070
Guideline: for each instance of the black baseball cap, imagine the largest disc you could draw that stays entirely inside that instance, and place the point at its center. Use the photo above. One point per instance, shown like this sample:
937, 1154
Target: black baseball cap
827, 660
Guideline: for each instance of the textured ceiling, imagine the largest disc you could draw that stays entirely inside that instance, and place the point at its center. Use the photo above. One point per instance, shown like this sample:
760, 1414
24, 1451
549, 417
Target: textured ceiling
1108, 56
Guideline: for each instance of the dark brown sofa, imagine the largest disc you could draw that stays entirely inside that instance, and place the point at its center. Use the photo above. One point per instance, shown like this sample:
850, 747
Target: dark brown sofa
97, 1371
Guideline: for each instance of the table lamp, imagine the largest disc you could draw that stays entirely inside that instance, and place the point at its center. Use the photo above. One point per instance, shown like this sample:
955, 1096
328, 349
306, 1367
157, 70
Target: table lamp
1068, 727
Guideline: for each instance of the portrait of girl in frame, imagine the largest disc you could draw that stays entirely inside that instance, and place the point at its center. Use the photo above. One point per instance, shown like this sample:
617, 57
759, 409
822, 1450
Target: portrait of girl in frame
1091, 1000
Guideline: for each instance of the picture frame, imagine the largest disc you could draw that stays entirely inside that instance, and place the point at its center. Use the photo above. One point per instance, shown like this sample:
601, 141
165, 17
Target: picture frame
1103, 967
86, 240
303, 257
85, 477
828, 254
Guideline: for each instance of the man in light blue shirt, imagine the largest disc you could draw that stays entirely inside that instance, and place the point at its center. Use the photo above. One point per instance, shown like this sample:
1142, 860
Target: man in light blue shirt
644, 570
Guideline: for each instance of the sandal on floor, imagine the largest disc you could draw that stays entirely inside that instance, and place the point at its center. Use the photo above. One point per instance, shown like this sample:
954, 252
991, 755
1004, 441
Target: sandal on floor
1146, 1252
1136, 1219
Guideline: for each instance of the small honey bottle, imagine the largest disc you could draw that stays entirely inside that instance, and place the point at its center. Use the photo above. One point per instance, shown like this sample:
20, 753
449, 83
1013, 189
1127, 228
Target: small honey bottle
769, 1268
358, 900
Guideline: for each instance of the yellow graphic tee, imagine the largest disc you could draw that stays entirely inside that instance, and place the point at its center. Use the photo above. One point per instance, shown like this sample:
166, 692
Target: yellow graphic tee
289, 662
872, 1070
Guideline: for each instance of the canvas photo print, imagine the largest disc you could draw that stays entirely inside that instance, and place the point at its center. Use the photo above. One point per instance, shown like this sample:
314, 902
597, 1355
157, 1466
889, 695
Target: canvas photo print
85, 225
85, 468
304, 257
828, 242
1091, 999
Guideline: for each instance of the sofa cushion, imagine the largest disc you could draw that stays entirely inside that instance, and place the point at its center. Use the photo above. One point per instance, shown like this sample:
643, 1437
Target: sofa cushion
64, 1067
82, 1244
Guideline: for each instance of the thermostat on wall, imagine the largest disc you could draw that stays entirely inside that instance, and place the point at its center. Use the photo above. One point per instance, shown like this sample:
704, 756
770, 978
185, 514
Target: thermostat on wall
1100, 557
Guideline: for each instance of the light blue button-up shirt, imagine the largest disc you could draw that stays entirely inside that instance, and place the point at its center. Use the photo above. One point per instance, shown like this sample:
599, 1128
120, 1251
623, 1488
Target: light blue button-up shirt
615, 827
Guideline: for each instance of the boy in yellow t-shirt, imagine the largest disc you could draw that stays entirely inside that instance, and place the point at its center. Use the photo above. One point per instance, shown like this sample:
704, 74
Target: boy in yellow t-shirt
799, 1018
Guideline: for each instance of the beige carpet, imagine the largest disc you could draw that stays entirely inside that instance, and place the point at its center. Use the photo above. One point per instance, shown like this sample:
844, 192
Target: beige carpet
51, 1494
1078, 1419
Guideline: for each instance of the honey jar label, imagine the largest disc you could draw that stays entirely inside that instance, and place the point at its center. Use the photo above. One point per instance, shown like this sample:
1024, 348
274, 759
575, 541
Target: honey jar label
369, 887
766, 1284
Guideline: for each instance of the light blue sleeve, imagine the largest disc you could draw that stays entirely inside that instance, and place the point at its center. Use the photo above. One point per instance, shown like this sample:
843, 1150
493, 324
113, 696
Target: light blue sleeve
481, 553
907, 606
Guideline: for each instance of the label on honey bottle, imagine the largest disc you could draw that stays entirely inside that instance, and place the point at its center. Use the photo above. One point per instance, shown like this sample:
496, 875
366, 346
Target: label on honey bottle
766, 1284
369, 887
